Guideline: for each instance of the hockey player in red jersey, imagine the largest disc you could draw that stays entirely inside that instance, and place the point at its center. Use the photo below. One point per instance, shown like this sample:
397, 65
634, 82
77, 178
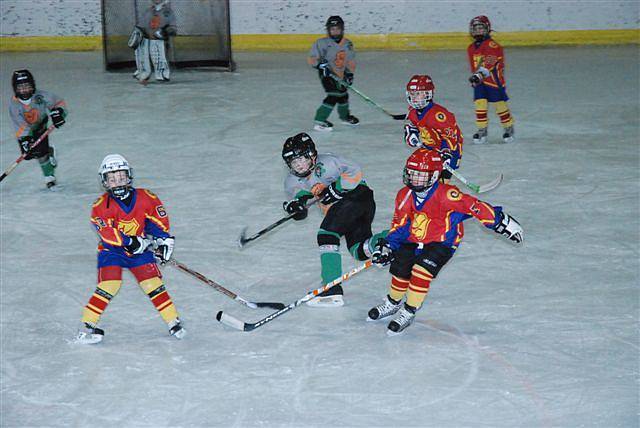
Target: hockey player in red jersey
426, 230
486, 59
129, 222
431, 126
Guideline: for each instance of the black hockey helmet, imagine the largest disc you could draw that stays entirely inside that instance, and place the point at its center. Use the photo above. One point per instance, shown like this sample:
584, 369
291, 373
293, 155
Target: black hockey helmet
335, 21
300, 146
21, 77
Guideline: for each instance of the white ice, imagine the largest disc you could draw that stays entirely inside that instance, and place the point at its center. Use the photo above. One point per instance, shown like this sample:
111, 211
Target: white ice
539, 336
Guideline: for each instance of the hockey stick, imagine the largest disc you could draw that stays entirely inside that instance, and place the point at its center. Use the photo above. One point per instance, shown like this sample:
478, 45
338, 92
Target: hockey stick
243, 240
475, 187
22, 156
243, 326
369, 100
223, 290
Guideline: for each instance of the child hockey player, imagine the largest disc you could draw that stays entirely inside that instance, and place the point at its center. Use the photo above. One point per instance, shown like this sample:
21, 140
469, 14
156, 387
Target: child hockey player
29, 109
486, 59
338, 185
334, 56
124, 217
426, 230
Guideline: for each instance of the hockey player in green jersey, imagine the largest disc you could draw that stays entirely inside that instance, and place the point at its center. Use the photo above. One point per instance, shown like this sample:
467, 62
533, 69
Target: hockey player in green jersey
338, 186
30, 109
334, 57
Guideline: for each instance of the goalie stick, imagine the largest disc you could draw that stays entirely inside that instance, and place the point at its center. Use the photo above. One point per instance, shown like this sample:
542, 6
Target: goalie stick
475, 187
221, 289
402, 116
24, 155
243, 326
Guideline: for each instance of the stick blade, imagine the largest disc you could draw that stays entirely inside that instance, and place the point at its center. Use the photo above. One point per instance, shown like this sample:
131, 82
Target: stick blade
491, 185
402, 116
272, 305
242, 239
230, 321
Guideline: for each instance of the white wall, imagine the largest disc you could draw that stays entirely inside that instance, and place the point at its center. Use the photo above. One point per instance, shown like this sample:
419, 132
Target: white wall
82, 17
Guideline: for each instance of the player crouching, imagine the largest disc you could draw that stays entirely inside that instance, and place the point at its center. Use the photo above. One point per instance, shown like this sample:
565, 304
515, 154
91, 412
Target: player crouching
426, 230
124, 217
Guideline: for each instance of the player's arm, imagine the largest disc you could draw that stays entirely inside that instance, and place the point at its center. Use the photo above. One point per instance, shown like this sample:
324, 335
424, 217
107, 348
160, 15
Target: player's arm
317, 59
298, 199
350, 64
170, 28
492, 217
57, 108
157, 226
450, 139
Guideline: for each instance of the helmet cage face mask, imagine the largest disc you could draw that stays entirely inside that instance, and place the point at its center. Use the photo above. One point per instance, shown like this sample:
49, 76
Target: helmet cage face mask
419, 99
25, 91
419, 180
302, 165
479, 28
117, 182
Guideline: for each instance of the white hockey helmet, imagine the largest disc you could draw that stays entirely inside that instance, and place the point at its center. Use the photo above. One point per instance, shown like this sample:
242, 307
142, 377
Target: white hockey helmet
116, 184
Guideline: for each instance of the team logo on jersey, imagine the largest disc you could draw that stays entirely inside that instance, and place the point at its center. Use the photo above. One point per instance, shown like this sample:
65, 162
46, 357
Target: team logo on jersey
492, 44
420, 225
320, 170
129, 227
426, 137
441, 117
31, 116
454, 195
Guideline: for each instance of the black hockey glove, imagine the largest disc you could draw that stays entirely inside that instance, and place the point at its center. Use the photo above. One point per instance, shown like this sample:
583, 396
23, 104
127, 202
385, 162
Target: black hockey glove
57, 117
164, 248
446, 156
382, 253
138, 245
348, 77
25, 144
510, 228
475, 79
297, 208
324, 67
331, 194
160, 34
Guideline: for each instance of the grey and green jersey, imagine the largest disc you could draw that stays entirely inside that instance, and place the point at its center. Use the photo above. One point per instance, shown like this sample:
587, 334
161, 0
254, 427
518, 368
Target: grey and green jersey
153, 20
339, 55
329, 168
32, 117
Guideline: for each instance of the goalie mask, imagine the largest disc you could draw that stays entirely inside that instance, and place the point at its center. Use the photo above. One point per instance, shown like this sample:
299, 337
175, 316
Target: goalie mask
420, 91
479, 28
422, 170
116, 176
299, 153
24, 85
335, 28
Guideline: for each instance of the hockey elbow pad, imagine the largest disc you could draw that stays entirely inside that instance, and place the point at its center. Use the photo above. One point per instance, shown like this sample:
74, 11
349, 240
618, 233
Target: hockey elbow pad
510, 228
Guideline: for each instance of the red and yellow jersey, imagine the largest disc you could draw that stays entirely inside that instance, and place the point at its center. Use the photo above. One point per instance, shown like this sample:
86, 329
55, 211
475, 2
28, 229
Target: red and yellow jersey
490, 55
115, 221
438, 128
438, 217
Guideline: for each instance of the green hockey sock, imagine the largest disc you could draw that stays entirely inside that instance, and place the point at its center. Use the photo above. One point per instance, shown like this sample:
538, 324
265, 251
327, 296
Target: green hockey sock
331, 263
48, 169
343, 110
323, 112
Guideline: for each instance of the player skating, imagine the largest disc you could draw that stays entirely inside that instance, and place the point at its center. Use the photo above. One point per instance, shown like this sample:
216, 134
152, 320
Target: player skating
124, 218
334, 56
431, 126
29, 109
344, 197
486, 59
426, 230
150, 41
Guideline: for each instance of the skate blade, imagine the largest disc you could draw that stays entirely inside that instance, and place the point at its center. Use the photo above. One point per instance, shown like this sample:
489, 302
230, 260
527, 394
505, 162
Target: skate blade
88, 339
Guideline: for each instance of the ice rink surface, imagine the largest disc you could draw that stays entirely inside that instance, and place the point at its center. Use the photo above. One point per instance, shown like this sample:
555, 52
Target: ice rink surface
539, 336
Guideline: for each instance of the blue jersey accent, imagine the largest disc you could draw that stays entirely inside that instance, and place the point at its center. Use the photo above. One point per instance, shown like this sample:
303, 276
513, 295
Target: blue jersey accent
108, 257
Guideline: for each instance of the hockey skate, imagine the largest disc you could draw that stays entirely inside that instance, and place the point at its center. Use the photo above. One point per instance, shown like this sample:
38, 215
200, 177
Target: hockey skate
350, 120
402, 321
508, 137
383, 310
176, 330
323, 126
89, 334
50, 181
335, 300
480, 137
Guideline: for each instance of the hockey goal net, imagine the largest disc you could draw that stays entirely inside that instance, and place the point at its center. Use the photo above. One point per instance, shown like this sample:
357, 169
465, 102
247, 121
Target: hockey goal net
203, 39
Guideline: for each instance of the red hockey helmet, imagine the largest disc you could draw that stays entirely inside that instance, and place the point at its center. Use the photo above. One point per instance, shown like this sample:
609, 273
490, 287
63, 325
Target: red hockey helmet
480, 27
420, 91
422, 169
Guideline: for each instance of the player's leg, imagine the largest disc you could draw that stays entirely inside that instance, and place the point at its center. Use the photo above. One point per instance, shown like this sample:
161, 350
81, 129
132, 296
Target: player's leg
400, 269
325, 109
159, 59
506, 120
142, 61
429, 262
360, 239
482, 118
45, 155
150, 279
343, 108
109, 282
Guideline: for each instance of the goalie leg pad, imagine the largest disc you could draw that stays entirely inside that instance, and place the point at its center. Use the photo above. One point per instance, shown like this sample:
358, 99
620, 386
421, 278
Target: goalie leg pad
142, 60
159, 59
